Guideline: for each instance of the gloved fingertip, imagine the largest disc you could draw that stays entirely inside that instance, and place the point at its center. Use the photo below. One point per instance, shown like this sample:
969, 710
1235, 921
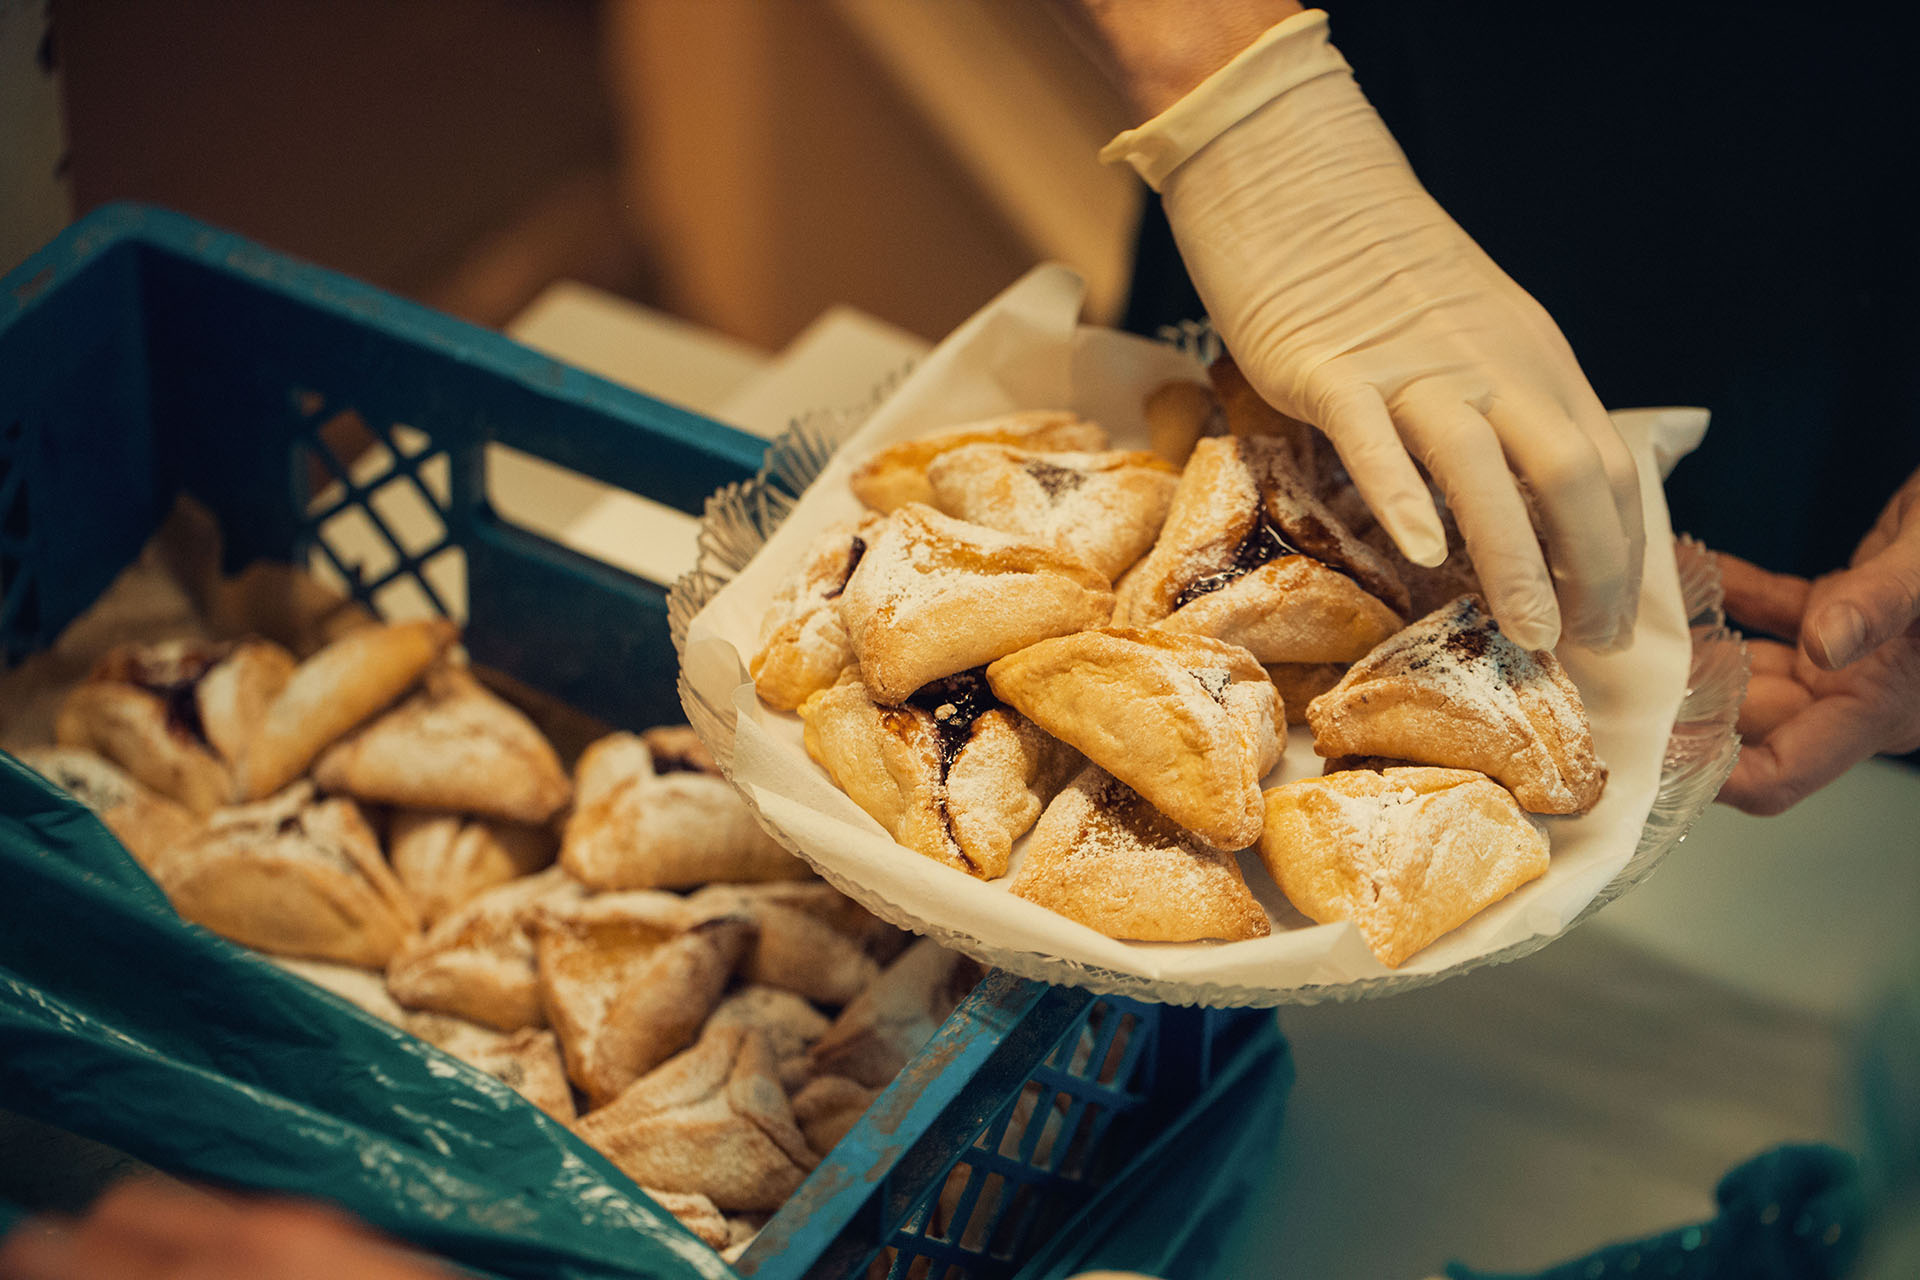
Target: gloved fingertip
1534, 633
1419, 536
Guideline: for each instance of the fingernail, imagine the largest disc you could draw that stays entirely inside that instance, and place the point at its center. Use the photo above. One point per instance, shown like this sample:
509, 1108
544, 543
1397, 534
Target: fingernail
1840, 631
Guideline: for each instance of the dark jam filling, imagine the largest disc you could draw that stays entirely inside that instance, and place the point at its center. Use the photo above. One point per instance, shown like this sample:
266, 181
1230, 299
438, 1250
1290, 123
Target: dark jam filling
1263, 544
1055, 480
955, 702
676, 764
854, 552
182, 702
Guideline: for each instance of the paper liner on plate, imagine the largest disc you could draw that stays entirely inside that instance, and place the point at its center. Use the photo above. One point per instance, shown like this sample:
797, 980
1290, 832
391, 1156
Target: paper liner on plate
1662, 710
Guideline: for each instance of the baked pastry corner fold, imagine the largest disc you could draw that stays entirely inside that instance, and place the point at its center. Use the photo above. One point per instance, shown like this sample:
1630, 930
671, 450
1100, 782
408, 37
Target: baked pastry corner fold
876, 1035
712, 1121
897, 475
793, 949
146, 822
1452, 690
803, 639
1407, 854
446, 859
1192, 724
934, 596
451, 746
1104, 857
478, 962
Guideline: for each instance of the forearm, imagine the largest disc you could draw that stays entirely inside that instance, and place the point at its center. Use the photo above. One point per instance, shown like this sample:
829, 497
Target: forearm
1158, 50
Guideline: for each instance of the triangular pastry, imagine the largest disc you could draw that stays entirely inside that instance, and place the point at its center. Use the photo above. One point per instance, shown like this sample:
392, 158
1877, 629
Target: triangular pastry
295, 876
803, 640
353, 678
454, 746
824, 903
1301, 682
792, 949
1407, 854
827, 1106
789, 1021
626, 979
934, 596
953, 774
897, 475
146, 822
526, 1061
1104, 857
1452, 690
478, 962
660, 816
1106, 508
876, 1035
713, 1121
1190, 723
696, 1213
1250, 556
446, 859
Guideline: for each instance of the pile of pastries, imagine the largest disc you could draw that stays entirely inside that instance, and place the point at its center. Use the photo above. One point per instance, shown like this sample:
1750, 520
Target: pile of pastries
1030, 634
620, 941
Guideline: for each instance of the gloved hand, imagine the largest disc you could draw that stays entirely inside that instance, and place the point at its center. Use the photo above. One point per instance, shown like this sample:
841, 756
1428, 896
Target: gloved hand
1352, 301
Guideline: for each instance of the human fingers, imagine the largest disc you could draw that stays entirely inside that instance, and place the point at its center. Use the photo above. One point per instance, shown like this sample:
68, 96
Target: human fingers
1623, 481
1803, 754
1463, 455
1574, 497
1355, 419
1854, 612
1759, 600
1771, 701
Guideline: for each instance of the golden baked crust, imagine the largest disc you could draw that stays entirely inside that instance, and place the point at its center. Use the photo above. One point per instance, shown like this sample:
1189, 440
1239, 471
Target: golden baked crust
1249, 555
446, 859
1192, 724
804, 645
526, 1061
1452, 690
1106, 858
875, 1036
1301, 682
1178, 413
897, 475
789, 1021
144, 821
828, 1106
934, 596
647, 819
953, 774
1105, 508
452, 746
478, 961
1407, 854
792, 949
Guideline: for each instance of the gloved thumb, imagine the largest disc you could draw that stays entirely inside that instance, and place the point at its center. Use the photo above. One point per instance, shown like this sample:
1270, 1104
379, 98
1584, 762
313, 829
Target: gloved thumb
1852, 613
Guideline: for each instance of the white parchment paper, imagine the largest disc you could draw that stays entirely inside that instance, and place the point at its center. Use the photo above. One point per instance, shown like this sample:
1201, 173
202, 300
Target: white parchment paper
1026, 350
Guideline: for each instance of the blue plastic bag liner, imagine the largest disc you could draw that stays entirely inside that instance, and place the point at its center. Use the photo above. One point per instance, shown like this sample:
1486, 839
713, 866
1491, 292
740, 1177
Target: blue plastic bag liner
123, 1023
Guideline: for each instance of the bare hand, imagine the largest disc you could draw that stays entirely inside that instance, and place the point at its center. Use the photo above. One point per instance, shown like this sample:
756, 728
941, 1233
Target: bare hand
1848, 685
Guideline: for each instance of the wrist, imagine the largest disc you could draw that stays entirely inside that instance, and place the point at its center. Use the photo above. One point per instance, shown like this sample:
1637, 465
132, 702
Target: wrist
1160, 50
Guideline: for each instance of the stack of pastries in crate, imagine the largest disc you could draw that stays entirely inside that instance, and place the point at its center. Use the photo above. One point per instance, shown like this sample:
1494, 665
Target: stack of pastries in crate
617, 940
1033, 640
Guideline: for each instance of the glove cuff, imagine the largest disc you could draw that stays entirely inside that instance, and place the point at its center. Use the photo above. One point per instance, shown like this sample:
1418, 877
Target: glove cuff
1288, 54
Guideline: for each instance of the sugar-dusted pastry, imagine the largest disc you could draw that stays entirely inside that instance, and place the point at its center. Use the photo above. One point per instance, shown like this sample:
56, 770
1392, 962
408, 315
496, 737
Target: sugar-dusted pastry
1192, 724
828, 1106
651, 811
1406, 854
295, 876
1104, 857
1106, 508
897, 475
1452, 690
789, 1021
146, 822
1250, 556
1247, 414
353, 678
953, 774
824, 903
792, 949
712, 1121
477, 962
1301, 682
626, 979
1178, 413
526, 1061
934, 596
364, 989
876, 1035
446, 859
453, 746
803, 640
696, 1213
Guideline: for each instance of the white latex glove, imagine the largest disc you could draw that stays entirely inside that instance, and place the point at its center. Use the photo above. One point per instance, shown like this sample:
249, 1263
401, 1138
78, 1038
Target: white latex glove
1352, 301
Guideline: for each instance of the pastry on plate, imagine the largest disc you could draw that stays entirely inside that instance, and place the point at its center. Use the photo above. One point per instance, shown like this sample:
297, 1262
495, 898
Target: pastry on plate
451, 746
627, 979
1452, 690
1106, 508
954, 774
146, 822
934, 596
1104, 857
446, 859
478, 961
1301, 682
1407, 854
897, 475
876, 1035
1250, 556
712, 1121
295, 876
803, 640
652, 811
352, 679
1192, 724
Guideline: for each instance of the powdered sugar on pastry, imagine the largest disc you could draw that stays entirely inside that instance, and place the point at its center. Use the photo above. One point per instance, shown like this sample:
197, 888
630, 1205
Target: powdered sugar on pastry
803, 640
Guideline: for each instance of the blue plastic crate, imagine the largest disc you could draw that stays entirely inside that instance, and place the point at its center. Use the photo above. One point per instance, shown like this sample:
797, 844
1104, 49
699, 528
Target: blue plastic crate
144, 355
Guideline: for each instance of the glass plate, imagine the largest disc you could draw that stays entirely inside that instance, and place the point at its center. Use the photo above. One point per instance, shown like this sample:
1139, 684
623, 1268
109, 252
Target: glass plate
1699, 755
